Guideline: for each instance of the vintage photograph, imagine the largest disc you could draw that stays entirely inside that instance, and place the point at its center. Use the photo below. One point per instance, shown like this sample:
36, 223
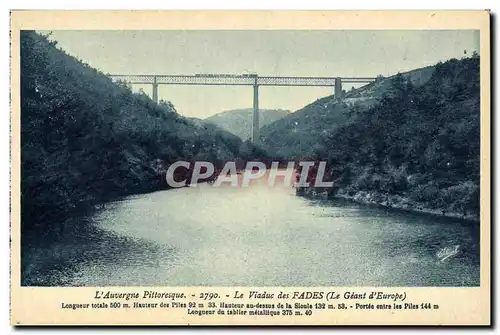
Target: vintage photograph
263, 158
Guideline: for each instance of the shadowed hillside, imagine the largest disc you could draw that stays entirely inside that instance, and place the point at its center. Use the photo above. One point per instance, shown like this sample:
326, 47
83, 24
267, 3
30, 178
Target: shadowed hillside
409, 141
239, 121
301, 133
86, 140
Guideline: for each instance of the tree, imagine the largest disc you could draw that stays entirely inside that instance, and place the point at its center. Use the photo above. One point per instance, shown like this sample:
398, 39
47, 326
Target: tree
167, 106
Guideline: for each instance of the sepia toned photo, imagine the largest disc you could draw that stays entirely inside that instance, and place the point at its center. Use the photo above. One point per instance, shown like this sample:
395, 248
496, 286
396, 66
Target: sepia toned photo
251, 158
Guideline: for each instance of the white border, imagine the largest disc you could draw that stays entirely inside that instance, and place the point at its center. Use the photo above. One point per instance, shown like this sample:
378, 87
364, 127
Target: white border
185, 4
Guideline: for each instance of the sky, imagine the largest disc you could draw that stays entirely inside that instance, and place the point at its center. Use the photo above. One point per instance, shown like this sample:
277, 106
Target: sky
326, 53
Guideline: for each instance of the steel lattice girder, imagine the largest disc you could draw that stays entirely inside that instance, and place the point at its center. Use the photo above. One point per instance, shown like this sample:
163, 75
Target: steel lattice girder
236, 80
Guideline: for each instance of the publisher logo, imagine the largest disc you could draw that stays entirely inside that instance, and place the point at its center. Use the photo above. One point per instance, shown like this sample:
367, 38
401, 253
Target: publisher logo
301, 174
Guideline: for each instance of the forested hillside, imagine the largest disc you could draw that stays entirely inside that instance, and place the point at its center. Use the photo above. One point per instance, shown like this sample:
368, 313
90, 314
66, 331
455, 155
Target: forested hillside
302, 133
419, 144
412, 144
86, 140
239, 121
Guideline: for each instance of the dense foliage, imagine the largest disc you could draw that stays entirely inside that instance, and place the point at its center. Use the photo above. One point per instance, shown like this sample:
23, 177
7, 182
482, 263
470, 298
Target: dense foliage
300, 134
86, 140
423, 142
419, 142
304, 132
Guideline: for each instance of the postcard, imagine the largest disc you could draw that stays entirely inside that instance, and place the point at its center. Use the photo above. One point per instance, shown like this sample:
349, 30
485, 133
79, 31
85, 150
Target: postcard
250, 168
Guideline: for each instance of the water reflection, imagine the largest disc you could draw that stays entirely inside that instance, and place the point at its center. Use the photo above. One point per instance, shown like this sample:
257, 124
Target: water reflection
259, 236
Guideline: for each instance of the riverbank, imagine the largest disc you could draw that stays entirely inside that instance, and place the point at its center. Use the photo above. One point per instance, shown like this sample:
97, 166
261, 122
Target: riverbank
389, 200
401, 202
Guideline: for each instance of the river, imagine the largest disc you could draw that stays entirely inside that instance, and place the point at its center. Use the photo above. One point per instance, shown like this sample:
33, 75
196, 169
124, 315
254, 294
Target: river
260, 236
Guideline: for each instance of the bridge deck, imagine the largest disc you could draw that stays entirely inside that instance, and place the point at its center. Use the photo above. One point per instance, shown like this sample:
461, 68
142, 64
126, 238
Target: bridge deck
236, 80
243, 79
